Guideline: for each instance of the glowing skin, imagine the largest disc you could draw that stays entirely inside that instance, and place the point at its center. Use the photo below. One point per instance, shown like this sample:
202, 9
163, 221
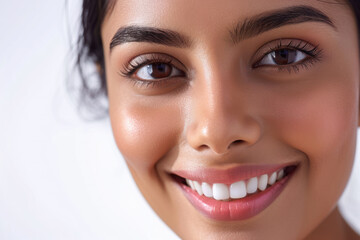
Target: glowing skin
219, 110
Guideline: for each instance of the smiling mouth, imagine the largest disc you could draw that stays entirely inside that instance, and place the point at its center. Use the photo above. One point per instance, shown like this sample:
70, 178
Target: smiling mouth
235, 200
239, 189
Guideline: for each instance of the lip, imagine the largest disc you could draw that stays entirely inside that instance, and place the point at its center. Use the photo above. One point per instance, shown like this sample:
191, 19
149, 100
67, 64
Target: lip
230, 175
237, 209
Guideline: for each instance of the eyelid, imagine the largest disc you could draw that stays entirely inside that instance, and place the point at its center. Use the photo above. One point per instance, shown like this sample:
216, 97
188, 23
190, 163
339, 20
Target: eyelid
296, 44
144, 59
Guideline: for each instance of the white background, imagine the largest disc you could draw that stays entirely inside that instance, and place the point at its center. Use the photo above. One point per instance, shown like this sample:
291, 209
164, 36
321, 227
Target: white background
61, 177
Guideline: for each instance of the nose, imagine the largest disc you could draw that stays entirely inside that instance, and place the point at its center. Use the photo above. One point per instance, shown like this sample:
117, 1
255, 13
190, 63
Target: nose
220, 118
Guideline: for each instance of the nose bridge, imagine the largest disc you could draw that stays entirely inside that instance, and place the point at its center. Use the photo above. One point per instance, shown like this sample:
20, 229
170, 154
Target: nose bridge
212, 106
218, 119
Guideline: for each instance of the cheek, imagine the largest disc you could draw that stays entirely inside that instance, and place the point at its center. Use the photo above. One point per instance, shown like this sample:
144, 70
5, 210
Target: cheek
144, 133
322, 124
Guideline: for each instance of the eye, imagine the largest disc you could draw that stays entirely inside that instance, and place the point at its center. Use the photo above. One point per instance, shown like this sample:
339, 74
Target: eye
157, 70
285, 56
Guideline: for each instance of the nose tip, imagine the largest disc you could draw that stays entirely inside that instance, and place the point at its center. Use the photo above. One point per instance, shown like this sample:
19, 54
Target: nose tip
220, 135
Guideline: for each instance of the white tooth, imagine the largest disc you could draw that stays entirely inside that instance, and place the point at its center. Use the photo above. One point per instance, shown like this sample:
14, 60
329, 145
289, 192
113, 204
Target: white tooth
238, 190
263, 180
198, 187
207, 190
280, 174
220, 191
191, 183
252, 185
187, 182
272, 178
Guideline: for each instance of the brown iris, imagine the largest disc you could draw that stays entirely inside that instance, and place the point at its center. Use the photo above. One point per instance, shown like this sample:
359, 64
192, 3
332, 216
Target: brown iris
159, 70
284, 56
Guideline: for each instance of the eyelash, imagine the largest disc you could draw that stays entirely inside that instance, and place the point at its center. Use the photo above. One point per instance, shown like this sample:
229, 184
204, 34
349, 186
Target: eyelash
141, 61
314, 55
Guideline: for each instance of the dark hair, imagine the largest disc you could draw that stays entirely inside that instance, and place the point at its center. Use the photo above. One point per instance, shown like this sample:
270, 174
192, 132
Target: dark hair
90, 59
90, 53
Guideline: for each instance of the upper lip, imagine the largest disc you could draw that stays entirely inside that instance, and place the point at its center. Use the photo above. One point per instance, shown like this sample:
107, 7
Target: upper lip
230, 175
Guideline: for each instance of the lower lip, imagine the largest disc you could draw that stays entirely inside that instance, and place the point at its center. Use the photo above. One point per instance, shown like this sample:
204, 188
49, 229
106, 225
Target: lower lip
238, 209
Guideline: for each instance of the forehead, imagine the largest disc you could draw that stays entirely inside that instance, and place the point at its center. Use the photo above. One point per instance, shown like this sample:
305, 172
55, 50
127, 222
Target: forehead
203, 16
161, 10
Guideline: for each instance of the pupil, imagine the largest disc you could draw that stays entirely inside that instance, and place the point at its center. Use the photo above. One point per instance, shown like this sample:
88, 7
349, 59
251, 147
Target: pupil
161, 67
284, 56
159, 70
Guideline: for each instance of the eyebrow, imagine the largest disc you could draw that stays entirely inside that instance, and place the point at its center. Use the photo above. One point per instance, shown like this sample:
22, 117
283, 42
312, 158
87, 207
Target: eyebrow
270, 20
150, 35
247, 28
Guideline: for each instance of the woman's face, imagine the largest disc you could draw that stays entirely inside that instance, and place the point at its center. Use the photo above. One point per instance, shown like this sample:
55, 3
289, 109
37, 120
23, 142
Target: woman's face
225, 93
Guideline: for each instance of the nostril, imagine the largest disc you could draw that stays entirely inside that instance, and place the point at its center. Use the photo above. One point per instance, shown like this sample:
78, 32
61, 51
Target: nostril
236, 142
233, 144
203, 147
